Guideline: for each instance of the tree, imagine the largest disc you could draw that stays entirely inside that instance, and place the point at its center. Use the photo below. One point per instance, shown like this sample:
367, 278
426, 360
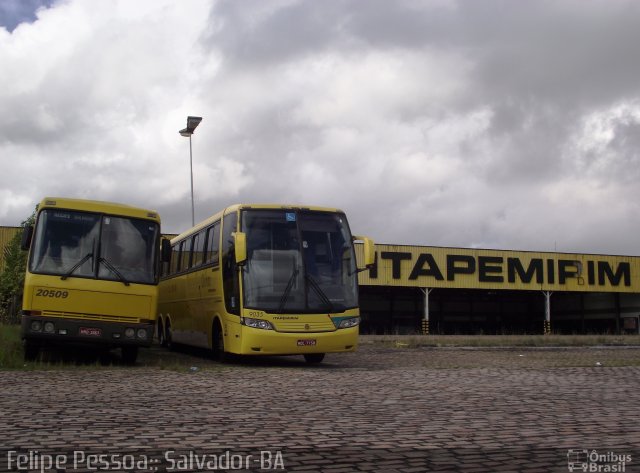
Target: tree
12, 277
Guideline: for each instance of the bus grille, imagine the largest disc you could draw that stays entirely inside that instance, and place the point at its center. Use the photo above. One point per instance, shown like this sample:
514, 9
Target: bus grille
104, 318
297, 326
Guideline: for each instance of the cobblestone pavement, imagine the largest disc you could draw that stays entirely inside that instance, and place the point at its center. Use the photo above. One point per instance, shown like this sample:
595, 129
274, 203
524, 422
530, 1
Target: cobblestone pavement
382, 409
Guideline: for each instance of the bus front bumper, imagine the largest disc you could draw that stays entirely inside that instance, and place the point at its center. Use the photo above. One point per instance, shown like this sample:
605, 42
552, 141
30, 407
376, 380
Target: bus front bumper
270, 342
58, 329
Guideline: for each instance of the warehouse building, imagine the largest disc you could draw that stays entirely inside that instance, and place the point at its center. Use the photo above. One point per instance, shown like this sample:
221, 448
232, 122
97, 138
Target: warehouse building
416, 289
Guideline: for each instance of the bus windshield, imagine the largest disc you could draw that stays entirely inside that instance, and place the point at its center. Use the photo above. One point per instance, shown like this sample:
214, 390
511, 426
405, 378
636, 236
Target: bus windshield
91, 245
298, 261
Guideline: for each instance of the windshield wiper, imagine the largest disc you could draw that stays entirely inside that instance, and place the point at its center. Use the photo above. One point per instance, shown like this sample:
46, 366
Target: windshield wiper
287, 290
318, 290
113, 270
76, 266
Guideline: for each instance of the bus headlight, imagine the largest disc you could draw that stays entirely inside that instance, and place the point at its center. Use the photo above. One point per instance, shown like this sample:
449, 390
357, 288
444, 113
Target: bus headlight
36, 326
141, 334
49, 327
256, 323
129, 332
350, 322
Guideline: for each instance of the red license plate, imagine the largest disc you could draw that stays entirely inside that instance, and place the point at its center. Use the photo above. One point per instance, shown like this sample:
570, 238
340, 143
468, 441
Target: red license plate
90, 332
307, 343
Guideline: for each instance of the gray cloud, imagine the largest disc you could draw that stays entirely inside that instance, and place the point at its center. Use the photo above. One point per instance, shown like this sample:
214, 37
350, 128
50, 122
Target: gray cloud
489, 123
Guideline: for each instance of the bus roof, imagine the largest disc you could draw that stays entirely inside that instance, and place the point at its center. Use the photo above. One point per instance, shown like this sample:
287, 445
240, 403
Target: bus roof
233, 208
110, 208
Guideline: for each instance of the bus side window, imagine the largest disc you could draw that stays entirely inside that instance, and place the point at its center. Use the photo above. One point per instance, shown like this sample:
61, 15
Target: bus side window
198, 249
213, 244
186, 254
175, 258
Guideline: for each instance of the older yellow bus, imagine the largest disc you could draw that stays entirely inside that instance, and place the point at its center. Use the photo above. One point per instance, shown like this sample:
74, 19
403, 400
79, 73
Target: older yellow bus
92, 276
264, 280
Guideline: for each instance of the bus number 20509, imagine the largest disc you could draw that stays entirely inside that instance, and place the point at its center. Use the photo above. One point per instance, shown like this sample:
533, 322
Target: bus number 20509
51, 293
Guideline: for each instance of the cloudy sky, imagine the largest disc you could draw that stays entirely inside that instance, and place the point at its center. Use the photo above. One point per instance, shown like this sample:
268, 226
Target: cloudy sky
479, 123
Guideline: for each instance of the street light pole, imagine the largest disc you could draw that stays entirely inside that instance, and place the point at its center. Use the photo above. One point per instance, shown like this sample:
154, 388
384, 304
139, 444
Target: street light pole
192, 123
193, 213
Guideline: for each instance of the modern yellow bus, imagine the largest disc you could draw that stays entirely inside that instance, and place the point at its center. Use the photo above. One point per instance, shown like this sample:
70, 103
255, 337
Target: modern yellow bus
264, 280
92, 276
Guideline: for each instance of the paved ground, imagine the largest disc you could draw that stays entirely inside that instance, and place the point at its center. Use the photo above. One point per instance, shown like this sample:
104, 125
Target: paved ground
384, 409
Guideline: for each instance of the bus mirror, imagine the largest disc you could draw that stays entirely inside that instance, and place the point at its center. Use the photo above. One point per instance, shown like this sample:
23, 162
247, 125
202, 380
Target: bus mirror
165, 251
27, 235
240, 245
369, 250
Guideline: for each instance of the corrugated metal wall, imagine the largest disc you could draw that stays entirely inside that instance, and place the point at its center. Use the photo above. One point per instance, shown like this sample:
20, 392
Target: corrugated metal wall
6, 234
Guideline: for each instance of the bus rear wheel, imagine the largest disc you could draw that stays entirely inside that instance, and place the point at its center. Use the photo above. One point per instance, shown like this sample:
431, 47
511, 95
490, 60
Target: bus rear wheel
162, 340
218, 343
313, 358
168, 337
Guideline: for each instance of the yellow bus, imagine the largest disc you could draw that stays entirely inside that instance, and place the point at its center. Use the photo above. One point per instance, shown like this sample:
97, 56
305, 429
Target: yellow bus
264, 280
92, 276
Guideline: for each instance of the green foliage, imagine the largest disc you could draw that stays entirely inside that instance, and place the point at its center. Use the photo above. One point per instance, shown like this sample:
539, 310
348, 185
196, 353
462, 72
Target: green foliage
12, 277
11, 356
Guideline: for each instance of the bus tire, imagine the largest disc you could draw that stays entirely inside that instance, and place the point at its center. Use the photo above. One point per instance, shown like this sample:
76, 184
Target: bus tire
218, 343
313, 358
31, 350
162, 340
168, 337
129, 355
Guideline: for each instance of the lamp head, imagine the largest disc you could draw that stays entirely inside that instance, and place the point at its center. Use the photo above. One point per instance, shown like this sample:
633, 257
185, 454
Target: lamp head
192, 124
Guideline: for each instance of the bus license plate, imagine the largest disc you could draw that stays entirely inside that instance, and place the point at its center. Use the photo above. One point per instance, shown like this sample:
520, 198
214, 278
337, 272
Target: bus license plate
90, 332
307, 343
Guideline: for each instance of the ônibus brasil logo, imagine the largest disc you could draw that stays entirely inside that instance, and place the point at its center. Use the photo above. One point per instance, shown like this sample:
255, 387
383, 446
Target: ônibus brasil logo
593, 461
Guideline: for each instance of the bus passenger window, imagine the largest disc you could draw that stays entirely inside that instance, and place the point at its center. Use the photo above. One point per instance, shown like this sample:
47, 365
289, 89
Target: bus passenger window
175, 257
186, 255
213, 243
198, 249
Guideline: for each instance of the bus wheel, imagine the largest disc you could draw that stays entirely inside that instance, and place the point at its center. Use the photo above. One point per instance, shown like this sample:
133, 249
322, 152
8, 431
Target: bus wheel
313, 358
161, 338
168, 337
218, 343
31, 350
129, 355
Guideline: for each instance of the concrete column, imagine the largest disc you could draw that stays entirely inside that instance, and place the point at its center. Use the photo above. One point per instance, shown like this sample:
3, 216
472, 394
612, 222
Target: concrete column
547, 312
616, 298
425, 320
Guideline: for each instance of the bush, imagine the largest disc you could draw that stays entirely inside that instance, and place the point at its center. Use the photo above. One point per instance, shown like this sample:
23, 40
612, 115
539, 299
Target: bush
12, 277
